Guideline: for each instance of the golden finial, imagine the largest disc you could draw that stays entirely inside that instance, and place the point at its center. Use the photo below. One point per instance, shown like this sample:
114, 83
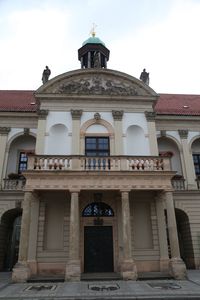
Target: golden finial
92, 31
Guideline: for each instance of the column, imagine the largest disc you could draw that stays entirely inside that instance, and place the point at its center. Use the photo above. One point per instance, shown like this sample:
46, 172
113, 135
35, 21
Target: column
3, 141
73, 270
21, 271
33, 235
41, 129
177, 266
117, 116
150, 117
76, 116
188, 161
89, 59
164, 256
128, 267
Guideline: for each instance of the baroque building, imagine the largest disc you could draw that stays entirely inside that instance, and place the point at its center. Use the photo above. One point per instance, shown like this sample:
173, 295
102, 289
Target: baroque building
99, 175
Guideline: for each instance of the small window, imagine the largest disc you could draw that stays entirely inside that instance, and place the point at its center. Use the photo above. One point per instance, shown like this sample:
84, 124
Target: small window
23, 159
196, 159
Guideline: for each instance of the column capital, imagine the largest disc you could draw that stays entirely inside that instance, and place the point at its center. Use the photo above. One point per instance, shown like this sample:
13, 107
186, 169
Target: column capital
42, 114
117, 115
150, 115
74, 191
76, 114
4, 130
183, 133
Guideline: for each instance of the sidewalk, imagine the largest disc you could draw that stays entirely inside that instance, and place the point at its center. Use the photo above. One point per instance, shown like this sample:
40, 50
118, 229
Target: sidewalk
149, 289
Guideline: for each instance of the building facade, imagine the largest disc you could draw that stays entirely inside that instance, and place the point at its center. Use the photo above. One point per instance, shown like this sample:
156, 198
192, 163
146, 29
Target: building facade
99, 174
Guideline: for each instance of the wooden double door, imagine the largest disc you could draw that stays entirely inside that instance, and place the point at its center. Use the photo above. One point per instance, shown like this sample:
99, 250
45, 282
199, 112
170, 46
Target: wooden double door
98, 249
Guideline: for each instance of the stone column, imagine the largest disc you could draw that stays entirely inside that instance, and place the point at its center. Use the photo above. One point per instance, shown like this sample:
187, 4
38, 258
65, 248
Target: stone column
117, 116
33, 235
73, 269
3, 141
76, 116
177, 266
128, 267
41, 129
21, 271
162, 233
89, 59
150, 117
188, 161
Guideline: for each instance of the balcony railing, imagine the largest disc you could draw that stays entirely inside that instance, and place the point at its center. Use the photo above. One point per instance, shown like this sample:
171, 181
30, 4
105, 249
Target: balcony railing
178, 183
14, 184
111, 163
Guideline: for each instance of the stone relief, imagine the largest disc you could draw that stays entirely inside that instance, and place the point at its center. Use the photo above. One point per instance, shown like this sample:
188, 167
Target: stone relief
97, 85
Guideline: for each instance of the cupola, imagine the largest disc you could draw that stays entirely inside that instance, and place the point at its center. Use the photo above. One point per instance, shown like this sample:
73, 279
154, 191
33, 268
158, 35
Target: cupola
93, 53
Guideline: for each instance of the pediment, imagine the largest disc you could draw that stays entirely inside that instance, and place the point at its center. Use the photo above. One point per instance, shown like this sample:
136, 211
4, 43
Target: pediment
103, 82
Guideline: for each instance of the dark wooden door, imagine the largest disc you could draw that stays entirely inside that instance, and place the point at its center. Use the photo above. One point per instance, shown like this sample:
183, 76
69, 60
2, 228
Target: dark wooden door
98, 249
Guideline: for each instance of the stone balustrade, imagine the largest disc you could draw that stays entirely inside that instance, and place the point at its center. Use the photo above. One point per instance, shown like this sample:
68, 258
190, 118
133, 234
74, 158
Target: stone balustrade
14, 184
110, 163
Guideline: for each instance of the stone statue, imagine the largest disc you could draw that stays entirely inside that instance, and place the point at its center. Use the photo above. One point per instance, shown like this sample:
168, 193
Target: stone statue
144, 77
45, 75
97, 63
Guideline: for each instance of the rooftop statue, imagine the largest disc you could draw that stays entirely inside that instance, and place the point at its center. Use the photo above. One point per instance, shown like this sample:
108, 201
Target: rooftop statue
144, 77
45, 75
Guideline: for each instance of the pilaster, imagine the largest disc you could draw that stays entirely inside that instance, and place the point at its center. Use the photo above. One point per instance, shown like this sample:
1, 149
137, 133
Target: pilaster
176, 265
21, 271
187, 160
150, 117
128, 267
117, 116
33, 235
164, 256
41, 129
73, 270
76, 116
4, 131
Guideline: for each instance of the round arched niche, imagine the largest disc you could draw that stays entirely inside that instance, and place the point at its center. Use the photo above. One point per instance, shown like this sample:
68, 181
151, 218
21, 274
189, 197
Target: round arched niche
136, 143
167, 146
58, 140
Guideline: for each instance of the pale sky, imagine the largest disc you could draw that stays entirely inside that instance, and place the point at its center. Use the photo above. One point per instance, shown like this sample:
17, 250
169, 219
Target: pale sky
159, 35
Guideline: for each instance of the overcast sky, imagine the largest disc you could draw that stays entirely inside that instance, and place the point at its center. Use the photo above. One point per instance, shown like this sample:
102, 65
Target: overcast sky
162, 36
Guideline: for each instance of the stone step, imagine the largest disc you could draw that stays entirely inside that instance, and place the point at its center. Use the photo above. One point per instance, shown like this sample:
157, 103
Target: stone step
100, 276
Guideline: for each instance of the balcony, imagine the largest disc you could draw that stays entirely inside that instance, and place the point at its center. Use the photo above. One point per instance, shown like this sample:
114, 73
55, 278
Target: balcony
111, 163
14, 184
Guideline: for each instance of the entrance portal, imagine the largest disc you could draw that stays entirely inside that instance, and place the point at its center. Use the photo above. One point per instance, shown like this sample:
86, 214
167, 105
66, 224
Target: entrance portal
98, 249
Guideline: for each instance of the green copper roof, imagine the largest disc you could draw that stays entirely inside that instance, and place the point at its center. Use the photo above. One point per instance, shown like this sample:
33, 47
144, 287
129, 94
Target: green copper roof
93, 40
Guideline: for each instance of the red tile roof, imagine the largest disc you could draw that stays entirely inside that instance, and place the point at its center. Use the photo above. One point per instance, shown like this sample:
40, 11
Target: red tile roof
18, 101
168, 104
177, 104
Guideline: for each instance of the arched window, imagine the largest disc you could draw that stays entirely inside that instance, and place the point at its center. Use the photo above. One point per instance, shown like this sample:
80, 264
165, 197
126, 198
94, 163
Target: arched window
98, 209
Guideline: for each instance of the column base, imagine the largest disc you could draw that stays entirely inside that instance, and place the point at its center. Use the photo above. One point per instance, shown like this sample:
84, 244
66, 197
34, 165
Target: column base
177, 268
129, 270
164, 264
32, 264
73, 271
21, 272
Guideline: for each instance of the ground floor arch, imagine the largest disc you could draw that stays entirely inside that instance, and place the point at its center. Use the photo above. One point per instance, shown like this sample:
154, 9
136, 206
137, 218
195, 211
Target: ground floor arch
9, 238
185, 238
